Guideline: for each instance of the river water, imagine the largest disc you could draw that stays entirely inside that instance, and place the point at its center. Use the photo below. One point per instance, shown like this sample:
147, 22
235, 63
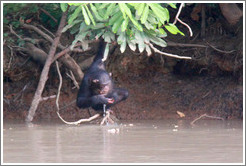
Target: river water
166, 141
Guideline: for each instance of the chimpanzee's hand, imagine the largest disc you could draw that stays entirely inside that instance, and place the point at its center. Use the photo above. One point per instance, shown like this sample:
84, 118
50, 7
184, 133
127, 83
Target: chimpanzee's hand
110, 100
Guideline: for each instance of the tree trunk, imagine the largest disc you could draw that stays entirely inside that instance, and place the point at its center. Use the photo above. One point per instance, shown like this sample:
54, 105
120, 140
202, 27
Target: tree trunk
45, 71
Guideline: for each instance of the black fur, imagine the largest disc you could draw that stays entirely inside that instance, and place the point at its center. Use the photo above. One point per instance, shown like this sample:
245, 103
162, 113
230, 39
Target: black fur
93, 82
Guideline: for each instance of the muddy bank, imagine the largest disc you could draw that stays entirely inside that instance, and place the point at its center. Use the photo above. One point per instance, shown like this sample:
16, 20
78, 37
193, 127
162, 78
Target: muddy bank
158, 97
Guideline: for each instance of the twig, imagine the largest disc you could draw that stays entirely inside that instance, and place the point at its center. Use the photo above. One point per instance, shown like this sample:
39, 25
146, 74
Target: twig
177, 19
13, 32
25, 39
11, 57
48, 14
107, 118
226, 52
49, 97
20, 93
57, 104
73, 79
167, 54
179, 11
41, 26
205, 115
64, 51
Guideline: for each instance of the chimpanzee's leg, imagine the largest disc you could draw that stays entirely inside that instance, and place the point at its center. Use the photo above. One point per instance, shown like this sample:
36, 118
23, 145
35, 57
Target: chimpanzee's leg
118, 94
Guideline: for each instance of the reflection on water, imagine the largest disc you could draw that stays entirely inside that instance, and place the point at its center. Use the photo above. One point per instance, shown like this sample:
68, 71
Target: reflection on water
210, 141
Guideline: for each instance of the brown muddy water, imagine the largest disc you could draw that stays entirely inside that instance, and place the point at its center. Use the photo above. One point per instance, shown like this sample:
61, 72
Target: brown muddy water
166, 141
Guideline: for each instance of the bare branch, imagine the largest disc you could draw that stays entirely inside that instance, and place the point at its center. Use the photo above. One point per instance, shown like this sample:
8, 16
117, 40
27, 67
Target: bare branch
179, 11
185, 45
177, 19
208, 116
226, 52
41, 26
167, 54
40, 32
13, 32
73, 79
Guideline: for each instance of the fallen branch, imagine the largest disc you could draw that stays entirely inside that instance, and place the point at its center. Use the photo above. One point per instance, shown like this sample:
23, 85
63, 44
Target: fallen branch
167, 54
45, 71
177, 19
205, 115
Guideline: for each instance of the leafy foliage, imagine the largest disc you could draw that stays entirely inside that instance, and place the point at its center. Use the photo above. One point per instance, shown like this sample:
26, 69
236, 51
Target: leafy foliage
13, 12
132, 24
29, 12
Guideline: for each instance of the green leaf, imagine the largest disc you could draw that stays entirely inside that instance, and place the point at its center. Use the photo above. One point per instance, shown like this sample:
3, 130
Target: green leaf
138, 26
162, 31
158, 41
172, 5
63, 6
117, 24
107, 36
105, 55
94, 10
113, 19
133, 4
124, 25
121, 40
148, 50
70, 25
99, 34
159, 11
173, 29
140, 8
121, 5
75, 4
148, 25
125, 10
74, 15
90, 15
79, 37
145, 14
98, 26
140, 41
123, 47
109, 10
104, 5
131, 44
87, 19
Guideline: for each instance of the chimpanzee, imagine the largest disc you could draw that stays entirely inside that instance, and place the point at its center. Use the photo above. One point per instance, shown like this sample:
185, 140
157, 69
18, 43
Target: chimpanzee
97, 88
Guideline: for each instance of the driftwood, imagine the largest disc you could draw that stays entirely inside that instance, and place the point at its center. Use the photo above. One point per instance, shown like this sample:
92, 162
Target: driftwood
44, 75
